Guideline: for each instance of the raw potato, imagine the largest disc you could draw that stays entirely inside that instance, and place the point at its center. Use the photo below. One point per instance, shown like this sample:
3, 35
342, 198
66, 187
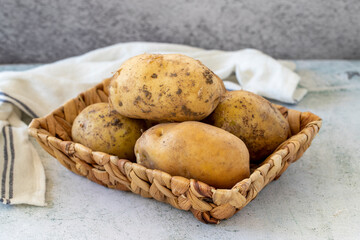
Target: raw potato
103, 129
194, 150
170, 87
254, 120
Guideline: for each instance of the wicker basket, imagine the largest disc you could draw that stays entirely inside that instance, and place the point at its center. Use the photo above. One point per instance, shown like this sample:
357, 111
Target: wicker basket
208, 204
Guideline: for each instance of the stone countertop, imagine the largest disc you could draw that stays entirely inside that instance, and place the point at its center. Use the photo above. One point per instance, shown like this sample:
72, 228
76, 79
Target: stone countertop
318, 197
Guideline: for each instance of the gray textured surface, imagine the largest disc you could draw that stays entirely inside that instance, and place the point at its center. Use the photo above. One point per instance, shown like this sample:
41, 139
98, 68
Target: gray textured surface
44, 30
316, 198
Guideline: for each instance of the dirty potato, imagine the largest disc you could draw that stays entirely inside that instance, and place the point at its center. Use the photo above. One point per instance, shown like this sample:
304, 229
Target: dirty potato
103, 129
194, 150
170, 87
254, 120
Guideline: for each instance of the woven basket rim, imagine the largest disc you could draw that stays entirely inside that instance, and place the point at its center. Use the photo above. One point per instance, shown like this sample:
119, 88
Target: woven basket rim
222, 200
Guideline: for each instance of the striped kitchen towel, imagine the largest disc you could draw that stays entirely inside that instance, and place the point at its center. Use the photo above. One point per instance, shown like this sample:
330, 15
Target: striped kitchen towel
21, 171
38, 91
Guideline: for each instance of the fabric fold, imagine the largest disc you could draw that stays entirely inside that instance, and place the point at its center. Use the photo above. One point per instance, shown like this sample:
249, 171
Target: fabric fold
22, 173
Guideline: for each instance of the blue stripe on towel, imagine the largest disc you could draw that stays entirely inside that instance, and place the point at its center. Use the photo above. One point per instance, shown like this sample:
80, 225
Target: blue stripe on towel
21, 103
12, 161
3, 180
14, 103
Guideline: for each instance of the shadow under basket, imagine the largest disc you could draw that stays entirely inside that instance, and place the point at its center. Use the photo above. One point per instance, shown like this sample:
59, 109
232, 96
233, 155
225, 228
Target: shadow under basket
208, 204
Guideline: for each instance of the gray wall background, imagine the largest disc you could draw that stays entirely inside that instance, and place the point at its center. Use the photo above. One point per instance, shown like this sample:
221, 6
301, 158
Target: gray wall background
45, 30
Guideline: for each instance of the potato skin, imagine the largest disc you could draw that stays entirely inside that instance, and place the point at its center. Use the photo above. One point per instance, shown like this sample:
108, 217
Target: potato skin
165, 88
194, 150
101, 128
254, 120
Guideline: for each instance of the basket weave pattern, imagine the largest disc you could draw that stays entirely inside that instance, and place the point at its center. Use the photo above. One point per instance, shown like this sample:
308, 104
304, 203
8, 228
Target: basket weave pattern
209, 205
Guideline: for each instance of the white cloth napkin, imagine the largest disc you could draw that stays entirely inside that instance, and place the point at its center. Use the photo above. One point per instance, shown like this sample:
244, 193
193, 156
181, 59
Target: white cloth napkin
21, 171
38, 91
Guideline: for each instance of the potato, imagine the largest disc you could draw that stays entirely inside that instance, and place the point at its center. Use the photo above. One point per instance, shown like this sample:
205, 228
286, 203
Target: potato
103, 129
254, 120
194, 150
163, 88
